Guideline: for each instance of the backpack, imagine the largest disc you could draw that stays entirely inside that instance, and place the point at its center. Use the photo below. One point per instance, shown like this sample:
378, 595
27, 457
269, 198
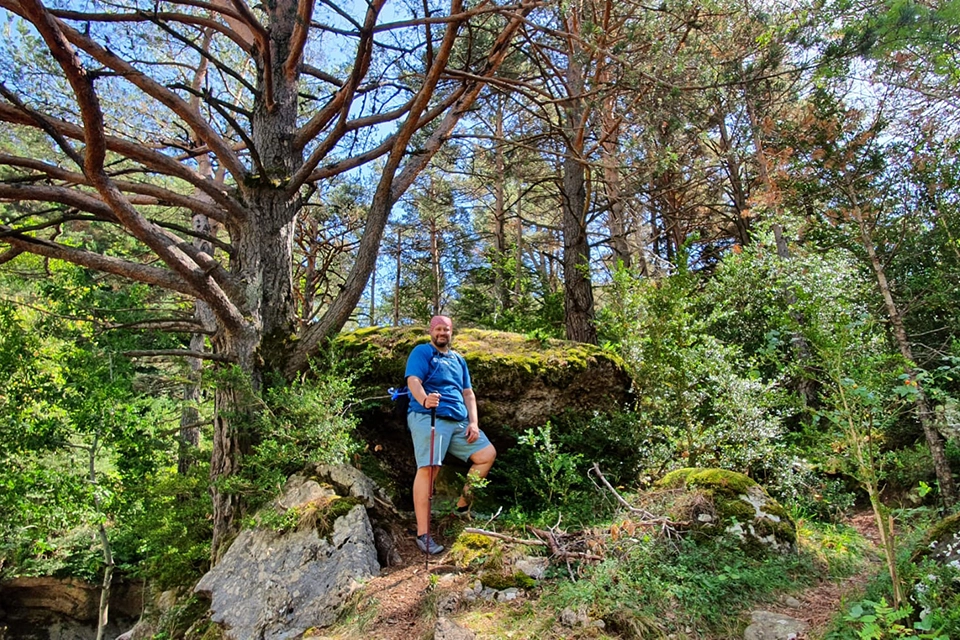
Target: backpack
401, 395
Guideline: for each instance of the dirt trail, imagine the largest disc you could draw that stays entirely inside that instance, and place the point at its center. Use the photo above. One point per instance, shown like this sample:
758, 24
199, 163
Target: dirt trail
396, 605
398, 600
820, 603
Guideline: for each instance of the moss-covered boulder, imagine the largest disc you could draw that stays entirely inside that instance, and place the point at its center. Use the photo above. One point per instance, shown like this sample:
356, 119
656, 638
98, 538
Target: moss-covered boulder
941, 542
520, 383
717, 502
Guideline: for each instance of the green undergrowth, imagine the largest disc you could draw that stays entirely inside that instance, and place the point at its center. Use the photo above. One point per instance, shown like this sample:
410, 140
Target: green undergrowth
651, 587
657, 587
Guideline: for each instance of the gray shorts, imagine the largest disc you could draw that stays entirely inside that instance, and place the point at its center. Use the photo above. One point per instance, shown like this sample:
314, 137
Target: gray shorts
450, 436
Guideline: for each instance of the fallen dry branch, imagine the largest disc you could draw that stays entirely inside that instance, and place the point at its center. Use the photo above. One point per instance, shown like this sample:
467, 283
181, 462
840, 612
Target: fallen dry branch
668, 527
559, 551
505, 538
544, 539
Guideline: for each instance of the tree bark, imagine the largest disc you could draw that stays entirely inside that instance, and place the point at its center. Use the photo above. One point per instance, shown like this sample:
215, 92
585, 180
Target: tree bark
501, 292
578, 289
925, 414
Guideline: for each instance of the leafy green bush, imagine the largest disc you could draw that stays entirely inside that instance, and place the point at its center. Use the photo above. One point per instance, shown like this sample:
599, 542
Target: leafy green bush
877, 620
166, 539
293, 425
704, 399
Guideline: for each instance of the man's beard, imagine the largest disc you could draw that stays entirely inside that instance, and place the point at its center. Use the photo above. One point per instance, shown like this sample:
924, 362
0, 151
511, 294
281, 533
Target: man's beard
442, 341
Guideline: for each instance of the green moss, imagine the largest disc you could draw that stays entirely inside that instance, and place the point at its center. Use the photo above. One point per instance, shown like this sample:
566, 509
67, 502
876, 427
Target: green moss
734, 510
474, 549
942, 529
721, 481
676, 479
501, 581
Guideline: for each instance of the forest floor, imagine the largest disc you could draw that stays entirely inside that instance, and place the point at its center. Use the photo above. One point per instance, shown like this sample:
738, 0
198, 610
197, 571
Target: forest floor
400, 603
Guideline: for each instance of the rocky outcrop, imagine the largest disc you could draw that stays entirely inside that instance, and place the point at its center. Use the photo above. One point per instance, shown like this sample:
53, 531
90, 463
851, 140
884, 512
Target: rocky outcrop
717, 502
942, 542
48, 607
520, 383
276, 584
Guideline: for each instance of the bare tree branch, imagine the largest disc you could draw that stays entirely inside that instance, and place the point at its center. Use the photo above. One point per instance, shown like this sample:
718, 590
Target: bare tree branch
181, 353
139, 153
136, 272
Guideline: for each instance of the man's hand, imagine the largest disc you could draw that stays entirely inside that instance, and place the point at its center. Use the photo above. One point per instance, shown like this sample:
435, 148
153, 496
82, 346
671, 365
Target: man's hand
473, 432
432, 401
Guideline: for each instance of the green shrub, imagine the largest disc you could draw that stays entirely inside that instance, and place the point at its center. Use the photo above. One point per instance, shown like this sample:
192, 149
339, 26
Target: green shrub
167, 541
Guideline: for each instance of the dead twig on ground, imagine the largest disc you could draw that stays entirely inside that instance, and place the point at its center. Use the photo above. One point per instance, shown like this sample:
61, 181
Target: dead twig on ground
668, 528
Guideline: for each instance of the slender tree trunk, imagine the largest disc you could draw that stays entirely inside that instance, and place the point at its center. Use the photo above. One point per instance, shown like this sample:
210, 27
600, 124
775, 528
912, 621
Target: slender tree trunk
308, 300
435, 263
738, 192
925, 414
103, 616
373, 297
517, 280
578, 289
501, 293
616, 222
202, 314
396, 281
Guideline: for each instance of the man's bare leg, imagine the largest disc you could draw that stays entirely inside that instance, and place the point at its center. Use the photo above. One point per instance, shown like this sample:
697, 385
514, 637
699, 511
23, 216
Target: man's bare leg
481, 463
421, 497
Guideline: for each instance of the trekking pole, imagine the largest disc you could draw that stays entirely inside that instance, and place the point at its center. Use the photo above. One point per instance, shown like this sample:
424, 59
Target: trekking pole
433, 433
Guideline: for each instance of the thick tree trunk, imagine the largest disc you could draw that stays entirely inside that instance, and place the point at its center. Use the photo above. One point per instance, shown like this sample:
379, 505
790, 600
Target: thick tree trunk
925, 415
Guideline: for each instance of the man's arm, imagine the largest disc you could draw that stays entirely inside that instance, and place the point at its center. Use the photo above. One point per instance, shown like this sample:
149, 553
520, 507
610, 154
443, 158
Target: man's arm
473, 421
418, 393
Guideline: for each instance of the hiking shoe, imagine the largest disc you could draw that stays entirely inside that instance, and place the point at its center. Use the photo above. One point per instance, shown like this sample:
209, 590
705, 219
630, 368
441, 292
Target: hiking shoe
427, 544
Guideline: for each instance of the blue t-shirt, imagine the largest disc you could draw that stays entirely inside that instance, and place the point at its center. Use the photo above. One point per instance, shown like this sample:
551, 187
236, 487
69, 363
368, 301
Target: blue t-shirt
445, 373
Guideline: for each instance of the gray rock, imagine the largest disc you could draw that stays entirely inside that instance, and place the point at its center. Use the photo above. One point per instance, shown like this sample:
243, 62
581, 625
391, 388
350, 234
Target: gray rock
447, 629
488, 594
569, 617
507, 594
533, 566
791, 602
276, 586
351, 481
448, 604
388, 555
765, 625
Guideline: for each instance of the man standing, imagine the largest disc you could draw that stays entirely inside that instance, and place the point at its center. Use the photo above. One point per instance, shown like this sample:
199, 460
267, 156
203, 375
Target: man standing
438, 379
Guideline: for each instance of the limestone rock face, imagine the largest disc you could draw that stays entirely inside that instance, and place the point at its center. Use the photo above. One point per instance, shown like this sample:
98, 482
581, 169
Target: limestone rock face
717, 502
274, 585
